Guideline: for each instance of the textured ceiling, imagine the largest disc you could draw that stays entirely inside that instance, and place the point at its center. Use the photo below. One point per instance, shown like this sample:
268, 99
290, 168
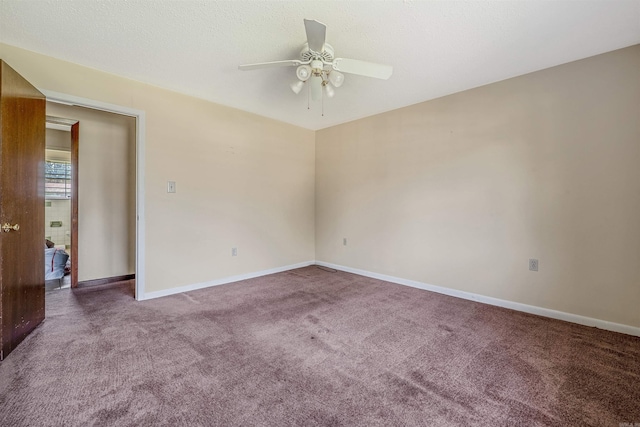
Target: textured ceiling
436, 48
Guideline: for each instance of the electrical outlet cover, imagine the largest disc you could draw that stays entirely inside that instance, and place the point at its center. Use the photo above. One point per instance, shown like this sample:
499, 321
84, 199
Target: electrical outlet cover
533, 264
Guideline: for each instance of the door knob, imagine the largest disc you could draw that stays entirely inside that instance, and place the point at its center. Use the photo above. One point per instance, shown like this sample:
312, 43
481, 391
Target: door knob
6, 227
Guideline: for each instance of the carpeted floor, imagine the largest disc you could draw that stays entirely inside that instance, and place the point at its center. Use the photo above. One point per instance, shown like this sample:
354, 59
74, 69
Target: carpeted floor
310, 347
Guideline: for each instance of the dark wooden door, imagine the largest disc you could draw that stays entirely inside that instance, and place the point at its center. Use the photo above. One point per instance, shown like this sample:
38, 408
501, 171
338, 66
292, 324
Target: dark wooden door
22, 133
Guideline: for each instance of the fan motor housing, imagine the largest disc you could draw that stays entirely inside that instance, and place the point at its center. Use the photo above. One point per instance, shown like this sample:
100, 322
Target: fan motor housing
326, 55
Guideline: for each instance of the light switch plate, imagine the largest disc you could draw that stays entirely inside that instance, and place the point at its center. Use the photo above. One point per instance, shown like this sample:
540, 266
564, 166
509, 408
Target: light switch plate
171, 187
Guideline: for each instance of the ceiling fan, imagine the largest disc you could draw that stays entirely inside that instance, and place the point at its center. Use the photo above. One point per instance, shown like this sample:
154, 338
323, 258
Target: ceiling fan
319, 68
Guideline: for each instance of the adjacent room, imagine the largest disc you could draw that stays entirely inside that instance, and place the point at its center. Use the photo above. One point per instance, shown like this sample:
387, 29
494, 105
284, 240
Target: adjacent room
57, 205
402, 213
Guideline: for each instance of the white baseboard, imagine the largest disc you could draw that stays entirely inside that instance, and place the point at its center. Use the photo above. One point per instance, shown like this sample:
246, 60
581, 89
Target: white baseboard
540, 311
225, 280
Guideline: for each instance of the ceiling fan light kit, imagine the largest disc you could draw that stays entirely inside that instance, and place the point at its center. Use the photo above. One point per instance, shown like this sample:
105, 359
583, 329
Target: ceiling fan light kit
318, 66
328, 89
303, 72
336, 78
297, 86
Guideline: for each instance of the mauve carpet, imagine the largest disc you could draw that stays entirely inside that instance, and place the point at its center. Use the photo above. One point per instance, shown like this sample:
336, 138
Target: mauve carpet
310, 347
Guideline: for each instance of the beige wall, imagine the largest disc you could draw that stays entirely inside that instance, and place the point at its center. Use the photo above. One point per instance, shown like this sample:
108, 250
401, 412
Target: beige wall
461, 191
58, 139
107, 193
242, 180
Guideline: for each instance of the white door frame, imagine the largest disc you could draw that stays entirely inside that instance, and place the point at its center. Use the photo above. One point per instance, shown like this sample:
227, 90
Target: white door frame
139, 115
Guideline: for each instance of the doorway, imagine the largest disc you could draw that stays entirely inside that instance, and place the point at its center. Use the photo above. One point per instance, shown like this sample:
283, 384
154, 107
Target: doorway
105, 167
140, 135
140, 126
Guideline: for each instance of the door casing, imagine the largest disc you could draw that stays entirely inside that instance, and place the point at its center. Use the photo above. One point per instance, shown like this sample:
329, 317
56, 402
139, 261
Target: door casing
139, 115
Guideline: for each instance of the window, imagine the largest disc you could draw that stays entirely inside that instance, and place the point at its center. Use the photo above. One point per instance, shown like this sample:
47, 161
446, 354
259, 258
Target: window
57, 180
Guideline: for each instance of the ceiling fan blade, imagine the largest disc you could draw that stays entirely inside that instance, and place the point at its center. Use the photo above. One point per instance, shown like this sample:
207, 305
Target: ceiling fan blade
316, 88
316, 34
273, 64
362, 68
